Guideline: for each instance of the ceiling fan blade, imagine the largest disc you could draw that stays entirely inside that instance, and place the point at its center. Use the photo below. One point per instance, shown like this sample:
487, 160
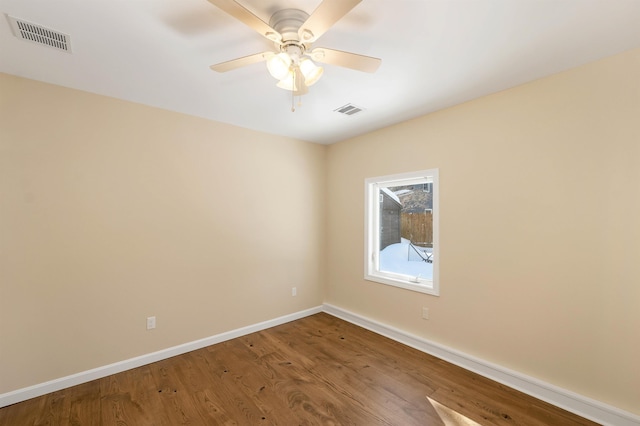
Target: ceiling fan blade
323, 18
241, 62
243, 14
345, 59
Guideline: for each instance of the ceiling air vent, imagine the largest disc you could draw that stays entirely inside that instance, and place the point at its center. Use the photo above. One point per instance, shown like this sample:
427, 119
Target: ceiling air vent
349, 109
38, 34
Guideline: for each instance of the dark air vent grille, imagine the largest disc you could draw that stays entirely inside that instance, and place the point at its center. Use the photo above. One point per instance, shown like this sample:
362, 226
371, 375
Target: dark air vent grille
39, 34
349, 109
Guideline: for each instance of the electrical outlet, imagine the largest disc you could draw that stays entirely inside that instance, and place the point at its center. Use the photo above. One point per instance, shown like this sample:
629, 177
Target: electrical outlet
151, 323
294, 291
425, 313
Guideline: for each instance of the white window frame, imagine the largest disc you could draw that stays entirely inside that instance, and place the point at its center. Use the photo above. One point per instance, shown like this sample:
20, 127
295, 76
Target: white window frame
372, 232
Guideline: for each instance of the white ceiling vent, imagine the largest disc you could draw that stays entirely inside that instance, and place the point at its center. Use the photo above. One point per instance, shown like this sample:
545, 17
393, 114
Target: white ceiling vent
38, 34
349, 109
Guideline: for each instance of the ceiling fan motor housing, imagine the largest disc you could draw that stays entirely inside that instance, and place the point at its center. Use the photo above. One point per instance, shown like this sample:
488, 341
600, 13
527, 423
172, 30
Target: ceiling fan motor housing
287, 22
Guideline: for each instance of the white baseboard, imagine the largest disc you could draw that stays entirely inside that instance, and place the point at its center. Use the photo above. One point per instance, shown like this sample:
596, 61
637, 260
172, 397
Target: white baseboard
570, 401
97, 373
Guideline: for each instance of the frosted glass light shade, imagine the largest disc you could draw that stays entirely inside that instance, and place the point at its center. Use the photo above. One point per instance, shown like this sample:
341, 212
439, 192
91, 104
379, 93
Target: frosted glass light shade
293, 84
278, 65
286, 82
310, 71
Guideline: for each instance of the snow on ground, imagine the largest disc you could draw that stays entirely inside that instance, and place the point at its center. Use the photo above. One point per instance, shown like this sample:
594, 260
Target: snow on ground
402, 259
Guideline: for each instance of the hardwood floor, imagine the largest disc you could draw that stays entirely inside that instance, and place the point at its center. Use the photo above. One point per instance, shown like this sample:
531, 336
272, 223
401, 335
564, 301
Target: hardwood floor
317, 370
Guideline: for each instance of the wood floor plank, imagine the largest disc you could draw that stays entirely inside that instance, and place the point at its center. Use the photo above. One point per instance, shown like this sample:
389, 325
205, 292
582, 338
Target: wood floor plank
318, 370
294, 390
116, 404
85, 404
54, 410
308, 371
232, 376
377, 384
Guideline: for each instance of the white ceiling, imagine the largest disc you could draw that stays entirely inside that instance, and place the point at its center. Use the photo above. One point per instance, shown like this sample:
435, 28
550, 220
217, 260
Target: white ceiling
435, 54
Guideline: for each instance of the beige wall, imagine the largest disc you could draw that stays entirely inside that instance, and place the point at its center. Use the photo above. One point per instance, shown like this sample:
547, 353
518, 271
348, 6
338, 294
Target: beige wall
540, 228
111, 212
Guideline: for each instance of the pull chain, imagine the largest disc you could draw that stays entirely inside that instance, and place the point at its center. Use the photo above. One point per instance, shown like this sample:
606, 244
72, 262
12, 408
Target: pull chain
293, 89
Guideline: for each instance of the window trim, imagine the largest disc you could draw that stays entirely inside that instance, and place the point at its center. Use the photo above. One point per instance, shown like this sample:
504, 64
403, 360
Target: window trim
372, 232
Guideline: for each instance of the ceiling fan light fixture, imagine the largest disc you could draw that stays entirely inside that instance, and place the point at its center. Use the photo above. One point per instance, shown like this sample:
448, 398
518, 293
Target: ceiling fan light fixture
293, 31
278, 65
310, 71
294, 82
287, 82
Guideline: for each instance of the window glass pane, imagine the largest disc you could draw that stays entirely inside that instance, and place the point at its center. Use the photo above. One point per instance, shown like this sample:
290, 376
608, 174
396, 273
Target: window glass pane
401, 230
406, 230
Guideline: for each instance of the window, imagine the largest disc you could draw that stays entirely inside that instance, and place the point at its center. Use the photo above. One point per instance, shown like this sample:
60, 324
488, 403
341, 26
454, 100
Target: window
401, 230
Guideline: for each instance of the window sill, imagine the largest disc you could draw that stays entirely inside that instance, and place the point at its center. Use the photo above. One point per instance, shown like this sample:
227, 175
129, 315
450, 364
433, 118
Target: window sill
425, 287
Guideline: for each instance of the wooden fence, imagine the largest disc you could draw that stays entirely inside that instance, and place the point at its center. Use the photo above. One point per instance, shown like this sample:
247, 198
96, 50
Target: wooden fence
417, 227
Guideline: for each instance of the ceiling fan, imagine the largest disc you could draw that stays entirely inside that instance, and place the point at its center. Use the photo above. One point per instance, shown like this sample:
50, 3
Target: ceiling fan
293, 31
